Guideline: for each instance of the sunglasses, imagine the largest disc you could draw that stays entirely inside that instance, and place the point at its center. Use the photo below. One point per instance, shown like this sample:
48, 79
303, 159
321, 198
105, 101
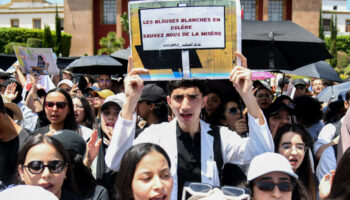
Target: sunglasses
233, 110
37, 167
229, 191
59, 105
270, 186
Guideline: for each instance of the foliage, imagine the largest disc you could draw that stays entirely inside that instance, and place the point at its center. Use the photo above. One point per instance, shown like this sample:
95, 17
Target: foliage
110, 44
125, 22
333, 41
9, 47
58, 41
321, 27
34, 43
21, 35
47, 37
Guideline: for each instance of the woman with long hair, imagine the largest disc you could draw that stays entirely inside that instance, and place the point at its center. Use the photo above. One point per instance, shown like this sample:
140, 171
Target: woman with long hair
83, 112
58, 106
145, 173
44, 162
293, 142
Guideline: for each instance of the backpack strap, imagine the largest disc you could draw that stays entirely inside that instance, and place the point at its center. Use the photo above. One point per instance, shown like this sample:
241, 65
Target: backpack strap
215, 132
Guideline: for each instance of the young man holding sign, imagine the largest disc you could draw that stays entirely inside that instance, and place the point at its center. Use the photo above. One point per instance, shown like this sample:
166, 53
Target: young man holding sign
187, 139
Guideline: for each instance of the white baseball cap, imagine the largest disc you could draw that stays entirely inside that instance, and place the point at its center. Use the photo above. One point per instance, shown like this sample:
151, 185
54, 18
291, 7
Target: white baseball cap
269, 162
67, 82
118, 99
27, 192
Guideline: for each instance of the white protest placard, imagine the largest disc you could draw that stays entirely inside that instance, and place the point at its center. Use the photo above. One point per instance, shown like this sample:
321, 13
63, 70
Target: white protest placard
197, 28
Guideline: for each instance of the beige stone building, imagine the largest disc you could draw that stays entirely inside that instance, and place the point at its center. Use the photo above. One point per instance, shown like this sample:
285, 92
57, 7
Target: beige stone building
89, 20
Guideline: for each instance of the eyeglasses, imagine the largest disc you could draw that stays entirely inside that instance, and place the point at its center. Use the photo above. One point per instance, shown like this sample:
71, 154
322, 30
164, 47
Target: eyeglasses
298, 147
202, 188
270, 186
233, 110
104, 80
59, 105
37, 167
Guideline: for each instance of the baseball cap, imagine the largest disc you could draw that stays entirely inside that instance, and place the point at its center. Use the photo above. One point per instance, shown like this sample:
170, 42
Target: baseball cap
71, 140
269, 162
26, 192
298, 82
65, 81
276, 107
118, 99
103, 93
152, 92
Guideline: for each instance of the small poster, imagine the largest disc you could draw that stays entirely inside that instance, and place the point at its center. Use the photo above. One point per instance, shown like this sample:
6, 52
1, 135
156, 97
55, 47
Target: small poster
291, 90
185, 39
36, 61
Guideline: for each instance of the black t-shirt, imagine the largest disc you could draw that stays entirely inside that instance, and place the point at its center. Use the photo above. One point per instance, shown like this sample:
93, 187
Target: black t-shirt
189, 158
9, 155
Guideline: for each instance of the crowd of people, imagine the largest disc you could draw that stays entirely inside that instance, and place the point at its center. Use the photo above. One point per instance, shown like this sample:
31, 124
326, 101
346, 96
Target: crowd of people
100, 137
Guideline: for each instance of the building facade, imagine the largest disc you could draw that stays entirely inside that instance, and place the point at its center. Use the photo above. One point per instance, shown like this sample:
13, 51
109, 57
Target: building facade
89, 20
340, 9
30, 14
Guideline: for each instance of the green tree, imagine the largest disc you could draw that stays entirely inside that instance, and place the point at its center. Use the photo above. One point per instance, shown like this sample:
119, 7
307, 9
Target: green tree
47, 37
58, 44
125, 22
110, 44
333, 42
321, 27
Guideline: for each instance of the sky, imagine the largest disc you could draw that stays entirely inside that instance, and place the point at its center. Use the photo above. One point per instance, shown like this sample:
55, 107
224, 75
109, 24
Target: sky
51, 1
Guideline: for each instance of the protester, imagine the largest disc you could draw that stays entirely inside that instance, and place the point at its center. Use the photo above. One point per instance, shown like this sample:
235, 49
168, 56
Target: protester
300, 87
44, 162
145, 173
104, 81
181, 137
12, 137
277, 115
67, 75
335, 185
83, 113
317, 87
99, 97
263, 97
210, 112
88, 94
66, 85
270, 176
76, 147
59, 111
151, 107
293, 142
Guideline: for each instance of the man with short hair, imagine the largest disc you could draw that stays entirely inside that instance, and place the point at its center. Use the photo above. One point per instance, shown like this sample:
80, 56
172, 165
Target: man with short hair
67, 75
12, 137
317, 86
189, 141
104, 81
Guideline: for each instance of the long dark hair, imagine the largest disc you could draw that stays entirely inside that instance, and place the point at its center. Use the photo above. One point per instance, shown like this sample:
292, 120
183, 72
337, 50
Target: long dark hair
128, 166
304, 171
69, 122
341, 183
69, 182
89, 118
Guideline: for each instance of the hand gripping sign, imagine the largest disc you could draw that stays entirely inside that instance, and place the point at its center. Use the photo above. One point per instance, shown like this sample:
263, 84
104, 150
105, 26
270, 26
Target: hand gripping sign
185, 39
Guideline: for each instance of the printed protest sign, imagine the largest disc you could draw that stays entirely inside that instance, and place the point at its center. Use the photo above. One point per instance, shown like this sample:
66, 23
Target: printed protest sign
36, 61
185, 39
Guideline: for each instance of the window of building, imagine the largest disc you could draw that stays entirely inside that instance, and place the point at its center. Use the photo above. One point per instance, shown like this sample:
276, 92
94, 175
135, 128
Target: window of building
62, 24
37, 23
248, 7
347, 25
14, 22
327, 24
275, 10
109, 11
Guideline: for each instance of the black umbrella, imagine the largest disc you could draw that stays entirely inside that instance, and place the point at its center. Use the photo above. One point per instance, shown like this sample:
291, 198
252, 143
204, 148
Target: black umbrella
320, 69
280, 45
331, 93
122, 55
101, 64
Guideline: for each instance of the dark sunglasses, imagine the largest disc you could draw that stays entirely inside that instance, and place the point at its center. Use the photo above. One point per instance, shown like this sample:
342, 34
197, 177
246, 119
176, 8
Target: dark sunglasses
37, 167
233, 110
270, 186
51, 104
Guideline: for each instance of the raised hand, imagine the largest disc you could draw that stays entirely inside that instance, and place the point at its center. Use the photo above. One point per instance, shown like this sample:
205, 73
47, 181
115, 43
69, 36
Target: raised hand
92, 148
241, 77
10, 92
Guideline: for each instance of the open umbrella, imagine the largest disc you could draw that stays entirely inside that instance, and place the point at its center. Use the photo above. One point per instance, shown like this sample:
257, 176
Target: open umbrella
320, 69
101, 64
280, 45
331, 93
122, 55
